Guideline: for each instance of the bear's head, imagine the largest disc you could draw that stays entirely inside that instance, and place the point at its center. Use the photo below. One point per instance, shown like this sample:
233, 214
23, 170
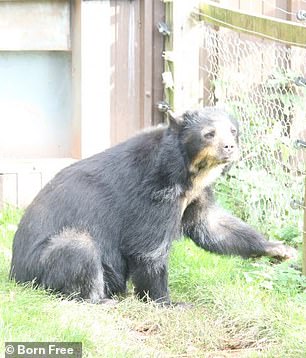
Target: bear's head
209, 137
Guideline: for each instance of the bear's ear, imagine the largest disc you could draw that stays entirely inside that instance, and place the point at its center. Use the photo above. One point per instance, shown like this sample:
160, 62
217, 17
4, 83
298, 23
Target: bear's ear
175, 120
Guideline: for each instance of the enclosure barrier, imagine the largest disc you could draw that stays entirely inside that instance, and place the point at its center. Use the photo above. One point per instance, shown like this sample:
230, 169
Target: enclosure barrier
256, 67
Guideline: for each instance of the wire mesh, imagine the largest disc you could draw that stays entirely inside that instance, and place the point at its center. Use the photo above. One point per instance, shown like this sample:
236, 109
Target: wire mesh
263, 84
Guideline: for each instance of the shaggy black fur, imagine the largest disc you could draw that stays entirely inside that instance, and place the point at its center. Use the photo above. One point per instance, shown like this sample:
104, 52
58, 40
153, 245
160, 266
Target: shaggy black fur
113, 216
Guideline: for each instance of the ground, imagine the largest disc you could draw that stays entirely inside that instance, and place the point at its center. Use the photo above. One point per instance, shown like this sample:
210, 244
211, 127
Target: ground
241, 308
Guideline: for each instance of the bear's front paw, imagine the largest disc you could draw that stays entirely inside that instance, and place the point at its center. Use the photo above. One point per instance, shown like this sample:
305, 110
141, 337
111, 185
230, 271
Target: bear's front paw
281, 251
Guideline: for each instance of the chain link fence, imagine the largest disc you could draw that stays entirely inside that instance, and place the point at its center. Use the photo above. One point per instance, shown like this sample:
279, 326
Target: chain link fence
263, 84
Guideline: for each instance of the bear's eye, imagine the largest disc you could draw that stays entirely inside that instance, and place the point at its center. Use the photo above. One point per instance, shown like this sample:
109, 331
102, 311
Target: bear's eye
210, 135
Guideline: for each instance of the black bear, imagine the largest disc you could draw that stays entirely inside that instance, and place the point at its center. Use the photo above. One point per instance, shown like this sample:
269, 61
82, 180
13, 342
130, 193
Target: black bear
113, 216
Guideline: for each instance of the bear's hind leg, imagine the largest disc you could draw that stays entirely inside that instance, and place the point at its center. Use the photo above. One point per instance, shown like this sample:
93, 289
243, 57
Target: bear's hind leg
151, 281
70, 263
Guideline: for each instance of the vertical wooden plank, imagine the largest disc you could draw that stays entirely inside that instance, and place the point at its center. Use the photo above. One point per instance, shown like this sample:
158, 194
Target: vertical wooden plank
168, 64
76, 77
114, 70
298, 57
134, 74
158, 64
283, 9
280, 9
146, 62
95, 76
125, 66
187, 41
304, 233
245, 59
151, 89
227, 64
298, 125
269, 8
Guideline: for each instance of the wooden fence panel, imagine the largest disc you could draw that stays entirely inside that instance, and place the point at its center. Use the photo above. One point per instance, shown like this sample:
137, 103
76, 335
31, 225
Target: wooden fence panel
136, 65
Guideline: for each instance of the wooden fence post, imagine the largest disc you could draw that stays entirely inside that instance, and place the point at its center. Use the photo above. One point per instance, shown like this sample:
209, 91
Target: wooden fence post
304, 234
182, 78
169, 67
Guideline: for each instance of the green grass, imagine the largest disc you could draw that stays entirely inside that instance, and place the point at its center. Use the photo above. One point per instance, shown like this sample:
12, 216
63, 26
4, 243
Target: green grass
240, 309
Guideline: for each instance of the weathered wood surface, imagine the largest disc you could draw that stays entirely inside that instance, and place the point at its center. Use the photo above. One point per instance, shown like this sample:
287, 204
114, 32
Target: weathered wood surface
259, 25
